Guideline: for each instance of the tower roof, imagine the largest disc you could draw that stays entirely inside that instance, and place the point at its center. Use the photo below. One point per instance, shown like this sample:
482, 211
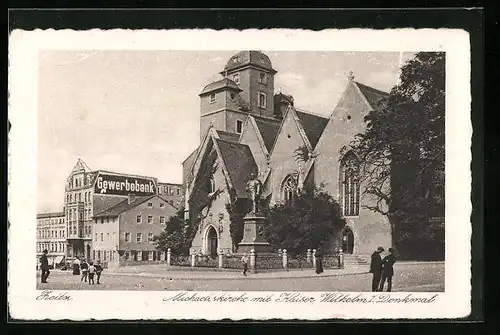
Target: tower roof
219, 85
245, 58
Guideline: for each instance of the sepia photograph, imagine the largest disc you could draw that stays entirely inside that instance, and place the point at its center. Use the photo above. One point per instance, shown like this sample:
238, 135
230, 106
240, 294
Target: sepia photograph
285, 170
242, 175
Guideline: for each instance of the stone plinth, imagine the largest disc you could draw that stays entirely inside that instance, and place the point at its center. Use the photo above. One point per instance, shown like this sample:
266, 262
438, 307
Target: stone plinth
253, 235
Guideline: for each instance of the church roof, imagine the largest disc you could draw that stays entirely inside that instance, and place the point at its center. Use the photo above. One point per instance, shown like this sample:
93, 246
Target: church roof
313, 125
244, 58
239, 162
268, 130
220, 84
228, 136
372, 95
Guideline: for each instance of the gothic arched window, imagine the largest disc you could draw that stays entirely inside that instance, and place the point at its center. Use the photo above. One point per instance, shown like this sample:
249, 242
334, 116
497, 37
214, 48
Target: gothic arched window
349, 184
211, 185
289, 189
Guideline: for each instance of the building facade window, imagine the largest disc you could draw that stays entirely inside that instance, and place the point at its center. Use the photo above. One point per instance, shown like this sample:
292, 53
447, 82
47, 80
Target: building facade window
212, 98
127, 237
150, 204
162, 205
162, 219
349, 185
139, 237
139, 218
236, 78
150, 237
102, 237
150, 256
139, 255
261, 100
150, 219
178, 191
239, 126
289, 189
263, 78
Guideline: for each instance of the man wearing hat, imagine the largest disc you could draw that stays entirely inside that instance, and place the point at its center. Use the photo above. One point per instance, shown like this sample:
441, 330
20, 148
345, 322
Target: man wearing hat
376, 268
44, 265
388, 270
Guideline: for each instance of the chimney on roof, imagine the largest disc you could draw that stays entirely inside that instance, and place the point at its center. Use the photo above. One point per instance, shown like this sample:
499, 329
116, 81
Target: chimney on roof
131, 198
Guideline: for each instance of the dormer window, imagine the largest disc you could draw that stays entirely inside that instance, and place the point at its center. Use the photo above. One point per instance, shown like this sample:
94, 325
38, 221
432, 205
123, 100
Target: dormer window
212, 98
236, 78
239, 126
261, 101
263, 78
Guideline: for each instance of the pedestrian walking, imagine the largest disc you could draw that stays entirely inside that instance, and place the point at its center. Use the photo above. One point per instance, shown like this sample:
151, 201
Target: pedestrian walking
388, 270
91, 273
319, 262
44, 266
84, 268
244, 262
98, 271
376, 268
76, 266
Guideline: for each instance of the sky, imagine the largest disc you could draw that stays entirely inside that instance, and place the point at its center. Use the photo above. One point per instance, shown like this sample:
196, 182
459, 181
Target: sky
138, 112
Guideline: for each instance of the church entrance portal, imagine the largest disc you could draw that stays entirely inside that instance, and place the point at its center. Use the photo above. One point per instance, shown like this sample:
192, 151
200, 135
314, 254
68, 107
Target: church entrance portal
212, 241
348, 241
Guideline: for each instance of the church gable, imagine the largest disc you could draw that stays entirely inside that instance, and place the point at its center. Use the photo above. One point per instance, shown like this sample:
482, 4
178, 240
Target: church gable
289, 153
253, 139
238, 163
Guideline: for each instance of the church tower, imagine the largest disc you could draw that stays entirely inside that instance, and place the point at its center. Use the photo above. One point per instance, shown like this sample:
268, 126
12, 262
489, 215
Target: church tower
247, 88
253, 72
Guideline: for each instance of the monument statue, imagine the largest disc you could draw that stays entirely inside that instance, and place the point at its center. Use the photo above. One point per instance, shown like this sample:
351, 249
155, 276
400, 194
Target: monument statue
254, 189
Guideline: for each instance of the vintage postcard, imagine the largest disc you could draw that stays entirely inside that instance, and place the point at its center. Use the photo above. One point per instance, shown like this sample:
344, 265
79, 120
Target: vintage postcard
257, 174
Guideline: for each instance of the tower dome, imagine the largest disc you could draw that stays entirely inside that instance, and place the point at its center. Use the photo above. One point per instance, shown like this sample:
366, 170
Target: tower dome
245, 58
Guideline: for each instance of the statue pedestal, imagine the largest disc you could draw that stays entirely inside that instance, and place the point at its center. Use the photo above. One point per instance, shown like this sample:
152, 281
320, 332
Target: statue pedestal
253, 237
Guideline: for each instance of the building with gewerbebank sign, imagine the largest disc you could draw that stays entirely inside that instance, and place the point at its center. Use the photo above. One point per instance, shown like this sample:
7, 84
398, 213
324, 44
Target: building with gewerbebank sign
124, 232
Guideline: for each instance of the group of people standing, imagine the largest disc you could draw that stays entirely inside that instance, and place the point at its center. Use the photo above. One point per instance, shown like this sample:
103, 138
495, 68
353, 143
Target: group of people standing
382, 269
88, 270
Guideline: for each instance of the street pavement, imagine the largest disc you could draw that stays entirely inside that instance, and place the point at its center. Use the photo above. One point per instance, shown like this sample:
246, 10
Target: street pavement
408, 277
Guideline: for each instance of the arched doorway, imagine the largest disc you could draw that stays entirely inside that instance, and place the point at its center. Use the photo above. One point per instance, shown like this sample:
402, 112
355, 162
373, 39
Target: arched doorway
212, 241
348, 241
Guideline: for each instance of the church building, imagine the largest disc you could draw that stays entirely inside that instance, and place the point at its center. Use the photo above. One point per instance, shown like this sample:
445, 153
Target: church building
246, 128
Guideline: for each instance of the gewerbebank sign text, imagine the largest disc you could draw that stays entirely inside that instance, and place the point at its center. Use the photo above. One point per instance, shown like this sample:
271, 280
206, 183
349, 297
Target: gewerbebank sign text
121, 185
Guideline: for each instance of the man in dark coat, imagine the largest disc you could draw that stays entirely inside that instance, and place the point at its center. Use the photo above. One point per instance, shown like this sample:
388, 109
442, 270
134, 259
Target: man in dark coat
319, 261
44, 265
388, 270
376, 268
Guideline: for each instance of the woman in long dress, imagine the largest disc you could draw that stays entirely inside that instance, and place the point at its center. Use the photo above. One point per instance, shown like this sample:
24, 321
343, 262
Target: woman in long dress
319, 262
76, 266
